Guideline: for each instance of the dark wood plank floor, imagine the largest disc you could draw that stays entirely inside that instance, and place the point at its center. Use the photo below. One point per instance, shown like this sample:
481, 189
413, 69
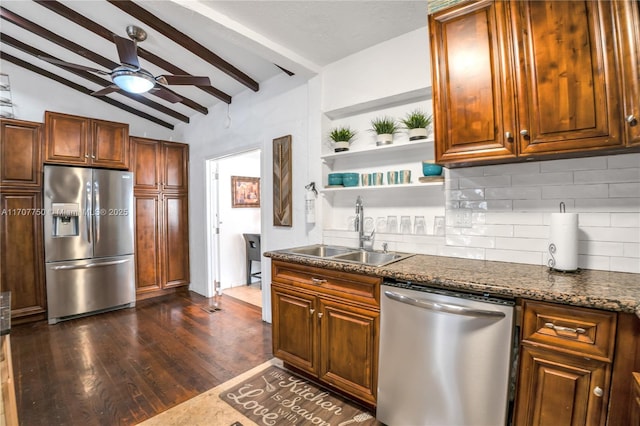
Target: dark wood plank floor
123, 367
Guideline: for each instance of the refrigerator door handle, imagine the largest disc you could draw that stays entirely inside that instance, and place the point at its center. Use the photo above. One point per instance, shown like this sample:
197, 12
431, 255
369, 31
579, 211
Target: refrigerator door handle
87, 212
443, 307
88, 265
96, 205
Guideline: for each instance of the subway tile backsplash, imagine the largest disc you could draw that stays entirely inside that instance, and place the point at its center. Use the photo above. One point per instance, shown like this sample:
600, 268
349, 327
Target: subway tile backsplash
511, 207
604, 191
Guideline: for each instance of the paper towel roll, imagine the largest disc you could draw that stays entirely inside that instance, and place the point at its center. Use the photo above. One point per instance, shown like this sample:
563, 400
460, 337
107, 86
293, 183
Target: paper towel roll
563, 242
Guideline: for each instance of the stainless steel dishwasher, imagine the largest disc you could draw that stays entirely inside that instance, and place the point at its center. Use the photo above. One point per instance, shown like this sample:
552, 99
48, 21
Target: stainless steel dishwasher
445, 357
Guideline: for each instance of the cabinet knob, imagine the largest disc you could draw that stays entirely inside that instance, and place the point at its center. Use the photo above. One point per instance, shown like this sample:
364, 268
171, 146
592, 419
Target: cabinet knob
86, 155
93, 156
318, 281
632, 120
320, 314
311, 311
524, 132
598, 391
508, 135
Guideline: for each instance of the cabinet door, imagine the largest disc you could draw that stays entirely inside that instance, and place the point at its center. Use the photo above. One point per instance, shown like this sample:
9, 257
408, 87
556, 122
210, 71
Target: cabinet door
147, 242
472, 86
145, 163
348, 349
567, 85
294, 316
22, 253
176, 166
110, 144
555, 389
66, 139
628, 27
20, 153
176, 240
635, 400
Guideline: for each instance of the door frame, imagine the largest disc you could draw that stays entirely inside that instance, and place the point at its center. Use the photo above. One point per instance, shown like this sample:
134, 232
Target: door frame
212, 218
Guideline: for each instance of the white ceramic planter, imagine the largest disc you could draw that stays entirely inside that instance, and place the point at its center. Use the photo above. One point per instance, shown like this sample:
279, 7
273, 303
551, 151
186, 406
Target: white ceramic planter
341, 146
384, 139
418, 133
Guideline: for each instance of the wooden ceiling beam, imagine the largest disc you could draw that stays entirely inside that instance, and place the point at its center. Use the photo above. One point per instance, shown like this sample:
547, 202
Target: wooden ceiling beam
26, 65
77, 49
185, 41
103, 32
17, 44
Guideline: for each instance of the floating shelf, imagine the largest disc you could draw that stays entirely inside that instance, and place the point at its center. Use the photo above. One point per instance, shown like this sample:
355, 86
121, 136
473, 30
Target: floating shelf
416, 95
378, 150
381, 188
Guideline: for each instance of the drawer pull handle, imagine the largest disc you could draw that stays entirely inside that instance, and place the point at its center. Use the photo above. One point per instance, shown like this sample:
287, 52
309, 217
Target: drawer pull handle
598, 391
318, 281
554, 327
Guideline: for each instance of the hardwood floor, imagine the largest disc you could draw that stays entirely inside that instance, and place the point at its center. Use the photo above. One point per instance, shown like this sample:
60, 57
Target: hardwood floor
123, 367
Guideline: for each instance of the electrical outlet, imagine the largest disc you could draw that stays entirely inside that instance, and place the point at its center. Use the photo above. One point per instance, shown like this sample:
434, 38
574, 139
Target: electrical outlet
462, 218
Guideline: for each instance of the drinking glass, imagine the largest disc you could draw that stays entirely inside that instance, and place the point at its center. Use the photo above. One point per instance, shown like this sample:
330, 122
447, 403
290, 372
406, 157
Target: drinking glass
392, 224
405, 224
419, 226
368, 224
438, 225
381, 224
364, 177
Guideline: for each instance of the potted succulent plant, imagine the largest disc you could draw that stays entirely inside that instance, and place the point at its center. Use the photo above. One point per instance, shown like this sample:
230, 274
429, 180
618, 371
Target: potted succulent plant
341, 138
417, 122
385, 128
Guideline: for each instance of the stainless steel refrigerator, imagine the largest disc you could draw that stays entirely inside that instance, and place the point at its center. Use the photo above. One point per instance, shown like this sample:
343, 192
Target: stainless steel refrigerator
88, 241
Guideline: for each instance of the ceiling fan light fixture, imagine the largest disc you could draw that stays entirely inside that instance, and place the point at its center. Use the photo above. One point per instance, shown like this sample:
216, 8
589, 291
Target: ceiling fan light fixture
133, 81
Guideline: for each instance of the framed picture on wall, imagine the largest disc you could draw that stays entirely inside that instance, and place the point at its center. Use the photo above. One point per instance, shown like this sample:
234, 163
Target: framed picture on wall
245, 191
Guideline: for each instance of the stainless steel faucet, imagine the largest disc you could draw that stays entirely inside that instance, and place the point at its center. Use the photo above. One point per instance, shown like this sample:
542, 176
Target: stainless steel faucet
360, 226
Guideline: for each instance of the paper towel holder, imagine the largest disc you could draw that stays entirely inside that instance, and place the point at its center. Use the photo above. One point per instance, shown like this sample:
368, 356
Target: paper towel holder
552, 250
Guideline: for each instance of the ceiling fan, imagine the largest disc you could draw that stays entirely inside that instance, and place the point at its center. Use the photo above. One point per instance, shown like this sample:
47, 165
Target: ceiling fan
130, 77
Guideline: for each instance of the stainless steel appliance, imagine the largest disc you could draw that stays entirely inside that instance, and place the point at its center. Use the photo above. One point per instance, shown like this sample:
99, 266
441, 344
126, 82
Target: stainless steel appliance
88, 227
445, 357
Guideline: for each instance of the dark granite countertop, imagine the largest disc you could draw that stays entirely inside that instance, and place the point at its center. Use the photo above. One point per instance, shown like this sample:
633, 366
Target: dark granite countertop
613, 291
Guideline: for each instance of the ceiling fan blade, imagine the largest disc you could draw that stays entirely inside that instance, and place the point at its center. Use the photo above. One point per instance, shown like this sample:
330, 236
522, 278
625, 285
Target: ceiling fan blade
71, 65
184, 80
165, 94
127, 51
106, 90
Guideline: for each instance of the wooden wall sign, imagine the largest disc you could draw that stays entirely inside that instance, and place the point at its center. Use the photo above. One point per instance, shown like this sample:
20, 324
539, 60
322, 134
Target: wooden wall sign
282, 182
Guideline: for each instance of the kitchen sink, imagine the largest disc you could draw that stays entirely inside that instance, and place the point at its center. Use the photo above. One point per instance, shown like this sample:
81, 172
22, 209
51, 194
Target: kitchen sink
371, 257
320, 250
350, 255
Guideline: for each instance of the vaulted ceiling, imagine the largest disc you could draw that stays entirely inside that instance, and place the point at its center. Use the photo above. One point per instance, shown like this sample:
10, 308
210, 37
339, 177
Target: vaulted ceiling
236, 44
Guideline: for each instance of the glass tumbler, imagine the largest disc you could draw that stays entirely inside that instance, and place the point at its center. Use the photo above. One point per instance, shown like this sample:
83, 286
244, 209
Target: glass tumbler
381, 224
438, 225
392, 224
405, 224
419, 226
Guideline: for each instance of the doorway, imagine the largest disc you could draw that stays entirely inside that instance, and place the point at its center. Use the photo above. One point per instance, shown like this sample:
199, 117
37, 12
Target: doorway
233, 204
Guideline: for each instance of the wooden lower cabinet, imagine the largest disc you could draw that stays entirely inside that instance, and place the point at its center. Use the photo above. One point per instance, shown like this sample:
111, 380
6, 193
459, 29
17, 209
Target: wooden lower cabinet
635, 400
320, 326
21, 254
557, 389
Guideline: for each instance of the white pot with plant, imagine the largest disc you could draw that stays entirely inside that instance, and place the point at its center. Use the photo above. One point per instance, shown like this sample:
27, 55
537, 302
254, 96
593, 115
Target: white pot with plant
385, 128
341, 138
417, 123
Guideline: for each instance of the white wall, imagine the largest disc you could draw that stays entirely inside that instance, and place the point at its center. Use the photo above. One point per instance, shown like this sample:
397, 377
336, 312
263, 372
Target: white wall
236, 221
280, 108
33, 94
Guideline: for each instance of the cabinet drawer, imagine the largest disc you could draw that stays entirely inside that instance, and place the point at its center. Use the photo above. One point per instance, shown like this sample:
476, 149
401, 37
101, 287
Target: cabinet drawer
360, 288
579, 330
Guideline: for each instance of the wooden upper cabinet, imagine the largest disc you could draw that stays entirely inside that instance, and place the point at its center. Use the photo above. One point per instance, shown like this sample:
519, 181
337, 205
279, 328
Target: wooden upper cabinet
472, 87
84, 141
567, 84
527, 79
627, 14
146, 163
20, 154
175, 166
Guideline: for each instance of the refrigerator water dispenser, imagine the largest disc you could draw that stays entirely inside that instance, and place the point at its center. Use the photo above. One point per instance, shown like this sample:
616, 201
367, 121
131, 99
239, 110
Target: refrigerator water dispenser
65, 219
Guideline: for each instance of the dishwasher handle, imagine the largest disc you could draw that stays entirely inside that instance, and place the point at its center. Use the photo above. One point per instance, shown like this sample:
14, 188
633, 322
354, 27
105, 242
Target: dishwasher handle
443, 307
